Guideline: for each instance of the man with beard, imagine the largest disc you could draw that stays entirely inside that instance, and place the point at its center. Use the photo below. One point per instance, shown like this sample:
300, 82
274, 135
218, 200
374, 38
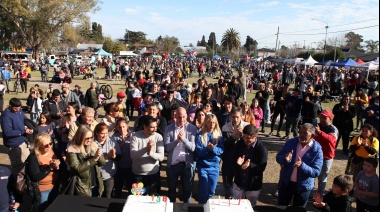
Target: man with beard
231, 132
147, 150
168, 102
223, 115
153, 112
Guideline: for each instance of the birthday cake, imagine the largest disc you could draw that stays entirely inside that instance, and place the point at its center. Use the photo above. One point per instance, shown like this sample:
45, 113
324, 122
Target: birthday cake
148, 203
233, 205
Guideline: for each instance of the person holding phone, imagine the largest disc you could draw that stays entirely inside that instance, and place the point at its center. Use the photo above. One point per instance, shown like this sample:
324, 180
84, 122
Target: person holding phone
84, 158
209, 149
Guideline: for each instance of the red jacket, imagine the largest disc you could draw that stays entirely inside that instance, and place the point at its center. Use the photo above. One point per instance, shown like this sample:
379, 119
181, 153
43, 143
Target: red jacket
327, 138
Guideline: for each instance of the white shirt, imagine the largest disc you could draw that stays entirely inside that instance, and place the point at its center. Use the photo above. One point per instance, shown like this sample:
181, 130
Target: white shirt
179, 152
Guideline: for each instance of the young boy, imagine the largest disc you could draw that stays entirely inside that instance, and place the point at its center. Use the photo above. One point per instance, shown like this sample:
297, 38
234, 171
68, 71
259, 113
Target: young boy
367, 187
337, 199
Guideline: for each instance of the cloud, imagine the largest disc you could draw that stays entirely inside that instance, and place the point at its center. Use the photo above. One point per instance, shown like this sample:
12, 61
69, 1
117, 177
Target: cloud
135, 10
269, 4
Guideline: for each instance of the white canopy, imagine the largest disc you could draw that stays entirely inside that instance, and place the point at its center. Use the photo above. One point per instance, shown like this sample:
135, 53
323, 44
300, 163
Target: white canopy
369, 65
308, 62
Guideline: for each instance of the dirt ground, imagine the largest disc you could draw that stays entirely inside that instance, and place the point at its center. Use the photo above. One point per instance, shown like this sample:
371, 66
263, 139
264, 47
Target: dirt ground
273, 144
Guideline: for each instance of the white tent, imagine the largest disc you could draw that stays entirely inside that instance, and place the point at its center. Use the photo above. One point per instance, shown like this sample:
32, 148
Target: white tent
308, 62
369, 65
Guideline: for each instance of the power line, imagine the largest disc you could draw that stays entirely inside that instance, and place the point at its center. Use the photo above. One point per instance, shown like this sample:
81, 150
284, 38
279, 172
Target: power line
266, 37
333, 26
322, 33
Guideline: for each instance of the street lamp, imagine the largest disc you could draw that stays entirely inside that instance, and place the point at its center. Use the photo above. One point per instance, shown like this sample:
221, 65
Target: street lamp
327, 26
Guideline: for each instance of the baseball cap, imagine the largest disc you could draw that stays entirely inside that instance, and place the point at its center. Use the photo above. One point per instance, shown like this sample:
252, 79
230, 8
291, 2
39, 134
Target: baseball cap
326, 113
120, 94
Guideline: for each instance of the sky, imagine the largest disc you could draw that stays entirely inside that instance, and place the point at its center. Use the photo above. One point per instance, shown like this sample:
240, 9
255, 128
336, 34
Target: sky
259, 19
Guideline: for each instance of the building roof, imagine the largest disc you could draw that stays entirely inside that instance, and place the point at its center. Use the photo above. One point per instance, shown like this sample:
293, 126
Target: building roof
265, 50
369, 57
83, 46
143, 45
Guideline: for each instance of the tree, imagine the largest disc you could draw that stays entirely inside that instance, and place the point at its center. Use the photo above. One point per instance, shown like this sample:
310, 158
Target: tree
97, 32
211, 40
353, 41
372, 46
202, 42
37, 22
108, 45
231, 39
167, 44
250, 44
117, 47
132, 37
69, 36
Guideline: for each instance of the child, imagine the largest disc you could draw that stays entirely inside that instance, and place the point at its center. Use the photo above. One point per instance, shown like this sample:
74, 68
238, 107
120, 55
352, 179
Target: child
367, 187
337, 199
257, 111
45, 125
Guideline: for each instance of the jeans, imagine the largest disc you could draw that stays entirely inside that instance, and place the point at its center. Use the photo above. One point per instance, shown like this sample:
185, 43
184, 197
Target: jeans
292, 125
108, 187
17, 156
208, 179
287, 192
47, 197
252, 196
151, 183
24, 85
186, 175
123, 177
322, 178
6, 81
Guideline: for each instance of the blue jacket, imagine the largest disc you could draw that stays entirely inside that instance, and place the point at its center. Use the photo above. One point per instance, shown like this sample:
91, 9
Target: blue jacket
189, 143
5, 74
311, 166
208, 158
13, 127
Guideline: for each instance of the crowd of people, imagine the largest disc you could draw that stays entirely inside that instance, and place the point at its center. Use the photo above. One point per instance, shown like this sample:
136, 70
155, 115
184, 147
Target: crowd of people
69, 148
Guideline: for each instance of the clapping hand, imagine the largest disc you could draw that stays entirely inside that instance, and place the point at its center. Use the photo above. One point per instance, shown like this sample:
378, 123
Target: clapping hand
237, 131
149, 146
112, 153
181, 135
98, 153
246, 164
54, 164
289, 156
210, 146
318, 200
359, 141
298, 163
240, 160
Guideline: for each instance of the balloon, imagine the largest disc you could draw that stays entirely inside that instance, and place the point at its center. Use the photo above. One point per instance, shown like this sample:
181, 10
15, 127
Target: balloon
133, 191
143, 190
140, 185
134, 185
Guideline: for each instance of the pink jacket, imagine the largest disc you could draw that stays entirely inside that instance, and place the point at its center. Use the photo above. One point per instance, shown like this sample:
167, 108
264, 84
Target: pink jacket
258, 115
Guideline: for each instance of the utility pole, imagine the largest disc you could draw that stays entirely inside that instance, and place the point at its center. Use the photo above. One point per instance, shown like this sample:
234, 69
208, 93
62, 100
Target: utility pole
278, 31
304, 47
335, 51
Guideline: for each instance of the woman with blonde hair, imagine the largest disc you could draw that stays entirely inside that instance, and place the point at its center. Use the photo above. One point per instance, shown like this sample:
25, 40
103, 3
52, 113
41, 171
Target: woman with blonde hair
209, 148
246, 114
84, 157
42, 167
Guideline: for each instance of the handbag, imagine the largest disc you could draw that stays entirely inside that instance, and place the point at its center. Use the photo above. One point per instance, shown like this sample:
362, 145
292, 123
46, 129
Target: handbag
69, 187
21, 181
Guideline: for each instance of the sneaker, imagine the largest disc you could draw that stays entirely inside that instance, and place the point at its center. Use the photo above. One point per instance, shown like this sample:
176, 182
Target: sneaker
269, 122
278, 134
271, 133
276, 194
285, 138
263, 131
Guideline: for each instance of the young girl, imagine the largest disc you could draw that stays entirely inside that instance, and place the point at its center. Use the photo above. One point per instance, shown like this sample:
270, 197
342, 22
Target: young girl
194, 106
257, 111
246, 114
45, 125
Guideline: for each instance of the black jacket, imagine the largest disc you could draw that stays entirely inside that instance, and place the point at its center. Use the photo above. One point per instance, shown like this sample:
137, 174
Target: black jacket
343, 120
336, 204
166, 108
250, 179
53, 108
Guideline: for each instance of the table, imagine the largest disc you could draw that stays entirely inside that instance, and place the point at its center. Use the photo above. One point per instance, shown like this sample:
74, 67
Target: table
64, 203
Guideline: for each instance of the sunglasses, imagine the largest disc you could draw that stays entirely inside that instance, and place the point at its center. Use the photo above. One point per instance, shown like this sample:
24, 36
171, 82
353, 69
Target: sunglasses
88, 138
47, 145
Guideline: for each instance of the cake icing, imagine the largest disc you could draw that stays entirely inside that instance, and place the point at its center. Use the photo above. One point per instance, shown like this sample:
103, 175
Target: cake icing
219, 205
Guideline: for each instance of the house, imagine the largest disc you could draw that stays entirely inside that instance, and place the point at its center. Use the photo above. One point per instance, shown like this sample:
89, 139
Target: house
84, 46
197, 49
145, 49
264, 52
